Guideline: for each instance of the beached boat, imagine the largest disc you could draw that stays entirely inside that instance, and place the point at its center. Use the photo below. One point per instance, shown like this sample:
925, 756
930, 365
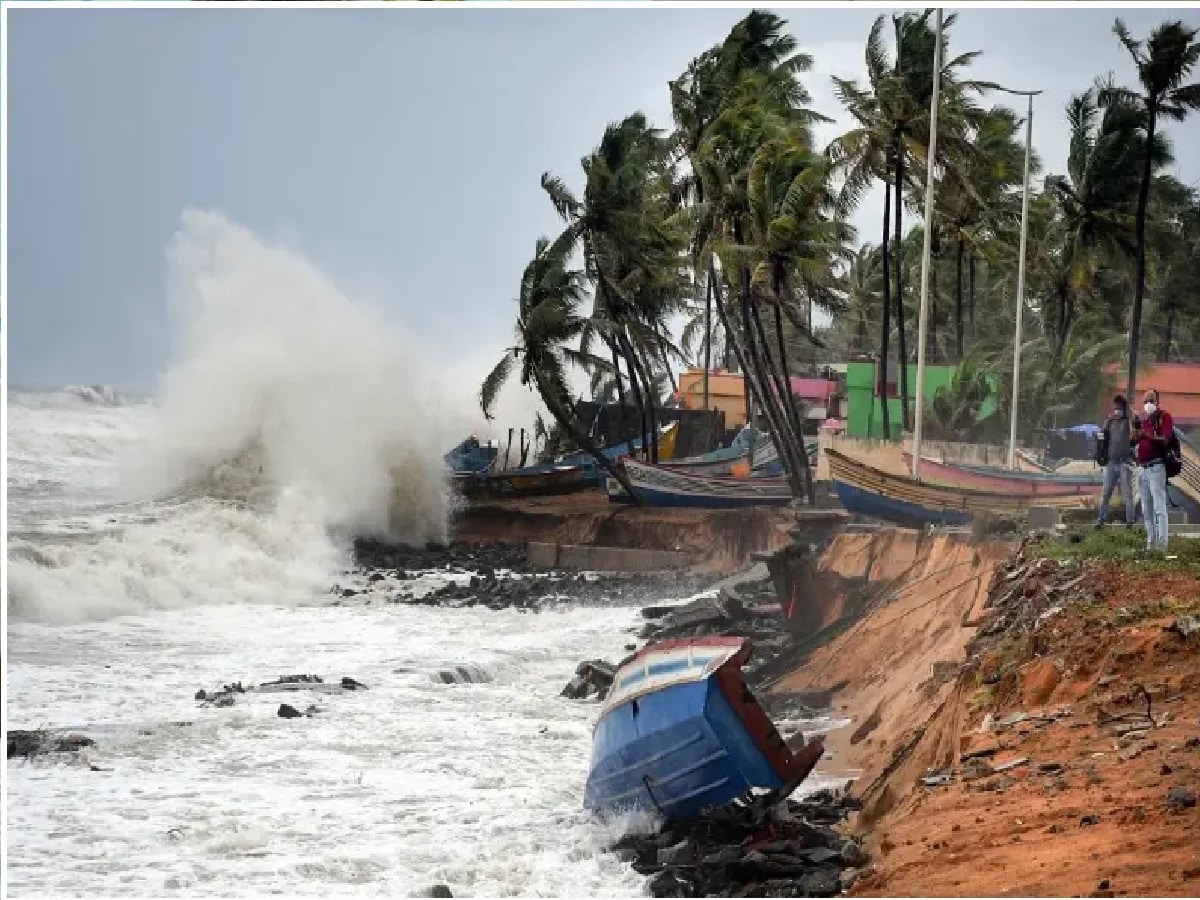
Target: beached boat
680, 734
538, 480
1025, 484
867, 491
661, 486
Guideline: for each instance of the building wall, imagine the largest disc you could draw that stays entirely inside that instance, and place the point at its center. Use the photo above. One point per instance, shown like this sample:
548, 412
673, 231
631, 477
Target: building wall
864, 418
1178, 386
727, 393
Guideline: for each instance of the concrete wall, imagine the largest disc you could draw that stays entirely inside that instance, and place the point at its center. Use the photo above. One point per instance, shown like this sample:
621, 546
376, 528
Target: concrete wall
603, 559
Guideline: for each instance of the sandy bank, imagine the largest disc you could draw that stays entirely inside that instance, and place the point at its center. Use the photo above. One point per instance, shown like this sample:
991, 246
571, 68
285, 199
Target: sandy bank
998, 709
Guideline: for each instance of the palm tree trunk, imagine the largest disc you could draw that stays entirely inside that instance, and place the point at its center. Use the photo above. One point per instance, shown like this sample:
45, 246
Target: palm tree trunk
958, 302
771, 390
733, 343
971, 290
784, 410
1170, 334
623, 433
644, 375
708, 294
1139, 285
635, 389
562, 415
886, 324
898, 240
797, 419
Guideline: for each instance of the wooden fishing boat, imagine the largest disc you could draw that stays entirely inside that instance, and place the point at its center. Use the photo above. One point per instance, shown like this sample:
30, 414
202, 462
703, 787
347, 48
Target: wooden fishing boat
1187, 483
660, 486
538, 480
1025, 484
867, 491
681, 734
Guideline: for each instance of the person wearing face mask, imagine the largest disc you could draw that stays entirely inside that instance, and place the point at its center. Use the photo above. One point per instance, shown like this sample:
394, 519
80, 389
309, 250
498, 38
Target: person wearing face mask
1116, 455
1151, 434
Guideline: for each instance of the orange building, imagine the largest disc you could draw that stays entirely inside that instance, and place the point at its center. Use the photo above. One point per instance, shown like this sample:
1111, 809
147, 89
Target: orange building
725, 392
1178, 386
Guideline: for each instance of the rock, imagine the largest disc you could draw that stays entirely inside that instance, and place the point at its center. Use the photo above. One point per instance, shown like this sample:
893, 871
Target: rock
439, 890
820, 856
723, 857
576, 688
350, 684
33, 743
667, 883
1185, 626
376, 576
854, 855
1089, 820
467, 674
1179, 797
677, 854
287, 711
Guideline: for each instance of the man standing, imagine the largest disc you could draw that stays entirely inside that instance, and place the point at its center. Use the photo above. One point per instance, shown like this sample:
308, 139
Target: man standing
1116, 457
1151, 433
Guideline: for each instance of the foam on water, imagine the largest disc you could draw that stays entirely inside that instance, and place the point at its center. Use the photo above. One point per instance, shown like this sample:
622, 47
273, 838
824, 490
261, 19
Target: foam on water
289, 418
385, 791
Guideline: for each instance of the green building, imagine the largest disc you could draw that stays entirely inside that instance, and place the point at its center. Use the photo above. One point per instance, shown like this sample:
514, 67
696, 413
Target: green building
863, 413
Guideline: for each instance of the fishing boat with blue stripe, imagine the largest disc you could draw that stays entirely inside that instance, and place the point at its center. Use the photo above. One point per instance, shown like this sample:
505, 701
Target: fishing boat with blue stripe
681, 734
867, 491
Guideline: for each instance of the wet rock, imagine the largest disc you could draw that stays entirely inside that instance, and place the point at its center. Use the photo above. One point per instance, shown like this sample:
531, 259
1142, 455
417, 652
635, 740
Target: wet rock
39, 741
287, 711
439, 890
464, 674
350, 684
1179, 797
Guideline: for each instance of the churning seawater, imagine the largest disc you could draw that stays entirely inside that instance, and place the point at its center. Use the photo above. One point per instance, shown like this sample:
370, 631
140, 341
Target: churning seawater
162, 545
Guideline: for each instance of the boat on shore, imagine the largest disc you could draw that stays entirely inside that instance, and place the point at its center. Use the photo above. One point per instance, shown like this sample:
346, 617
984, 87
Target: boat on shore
867, 491
660, 486
1025, 484
680, 733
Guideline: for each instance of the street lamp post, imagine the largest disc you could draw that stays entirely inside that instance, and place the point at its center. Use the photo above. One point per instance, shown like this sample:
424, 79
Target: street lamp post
923, 322
1012, 425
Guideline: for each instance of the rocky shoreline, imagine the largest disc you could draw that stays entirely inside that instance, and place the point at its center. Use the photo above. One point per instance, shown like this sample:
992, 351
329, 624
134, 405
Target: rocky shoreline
787, 848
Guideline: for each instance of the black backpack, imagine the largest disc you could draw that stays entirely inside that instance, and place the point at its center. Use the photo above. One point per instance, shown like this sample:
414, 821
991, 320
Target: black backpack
1173, 455
1102, 446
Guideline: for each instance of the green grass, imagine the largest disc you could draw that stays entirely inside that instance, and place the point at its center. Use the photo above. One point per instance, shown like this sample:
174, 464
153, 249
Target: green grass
1125, 546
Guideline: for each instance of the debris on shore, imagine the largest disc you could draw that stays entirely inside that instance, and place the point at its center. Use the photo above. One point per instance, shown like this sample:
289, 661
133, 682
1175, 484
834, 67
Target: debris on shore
227, 695
593, 677
748, 848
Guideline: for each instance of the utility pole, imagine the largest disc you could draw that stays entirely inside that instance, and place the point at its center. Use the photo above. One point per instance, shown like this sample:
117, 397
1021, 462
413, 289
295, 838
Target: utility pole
923, 325
1016, 388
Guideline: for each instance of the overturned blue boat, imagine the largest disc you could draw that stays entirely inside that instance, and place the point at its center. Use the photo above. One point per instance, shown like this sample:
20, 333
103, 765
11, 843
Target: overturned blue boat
681, 734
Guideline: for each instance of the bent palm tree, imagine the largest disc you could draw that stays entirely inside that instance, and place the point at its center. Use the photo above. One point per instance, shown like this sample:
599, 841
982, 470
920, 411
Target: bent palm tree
547, 321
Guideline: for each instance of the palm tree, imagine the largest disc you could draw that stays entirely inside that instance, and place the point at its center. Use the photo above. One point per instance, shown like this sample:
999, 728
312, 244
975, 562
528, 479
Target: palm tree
976, 198
548, 321
633, 255
731, 101
1164, 62
892, 112
1095, 201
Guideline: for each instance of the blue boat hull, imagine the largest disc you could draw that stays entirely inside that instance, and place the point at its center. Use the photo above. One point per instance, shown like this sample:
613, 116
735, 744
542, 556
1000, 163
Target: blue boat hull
651, 497
676, 752
868, 503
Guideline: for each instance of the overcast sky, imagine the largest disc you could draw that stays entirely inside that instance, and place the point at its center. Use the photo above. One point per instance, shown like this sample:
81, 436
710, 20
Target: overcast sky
399, 150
